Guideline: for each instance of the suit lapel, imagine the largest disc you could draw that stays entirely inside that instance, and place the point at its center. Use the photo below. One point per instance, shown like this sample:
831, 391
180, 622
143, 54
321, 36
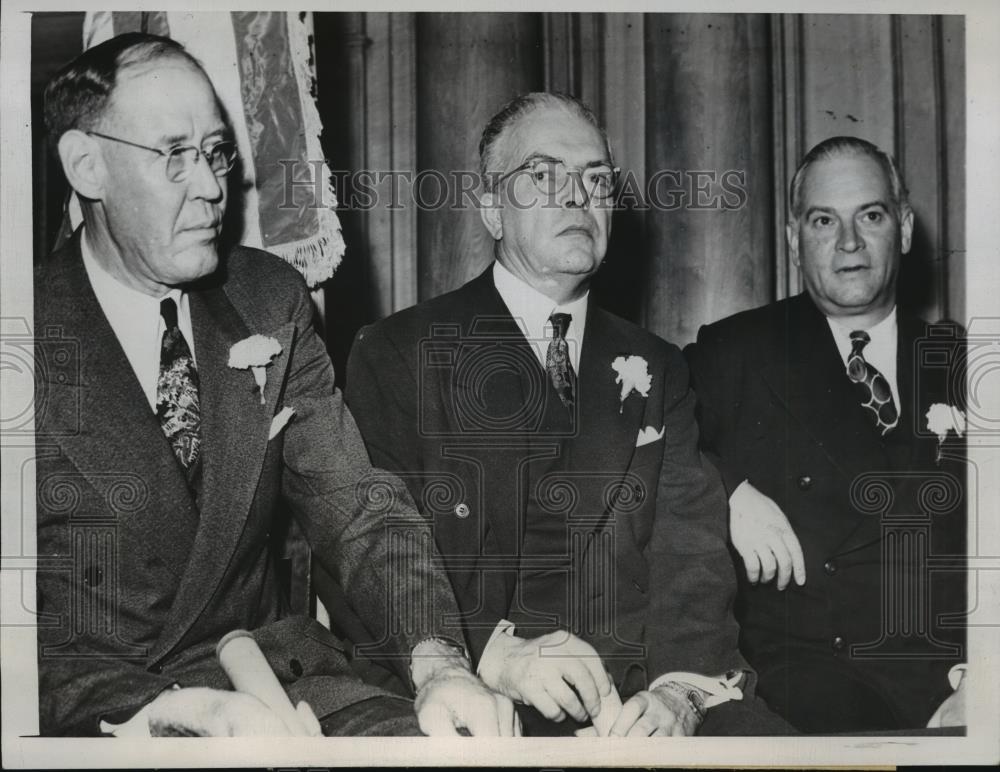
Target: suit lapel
809, 379
514, 382
608, 427
235, 428
114, 439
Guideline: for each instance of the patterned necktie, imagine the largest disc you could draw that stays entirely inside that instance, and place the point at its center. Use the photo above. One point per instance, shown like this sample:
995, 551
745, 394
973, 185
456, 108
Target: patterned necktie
177, 404
557, 362
876, 394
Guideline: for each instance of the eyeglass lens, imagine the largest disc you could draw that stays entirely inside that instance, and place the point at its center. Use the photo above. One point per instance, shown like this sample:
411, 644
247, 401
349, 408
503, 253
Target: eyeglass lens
220, 158
551, 177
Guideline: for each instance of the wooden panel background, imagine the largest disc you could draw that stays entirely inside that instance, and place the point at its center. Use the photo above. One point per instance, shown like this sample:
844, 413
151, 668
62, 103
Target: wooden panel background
687, 93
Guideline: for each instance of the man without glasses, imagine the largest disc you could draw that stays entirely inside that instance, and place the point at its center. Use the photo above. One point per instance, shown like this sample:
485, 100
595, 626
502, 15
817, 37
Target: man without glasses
817, 410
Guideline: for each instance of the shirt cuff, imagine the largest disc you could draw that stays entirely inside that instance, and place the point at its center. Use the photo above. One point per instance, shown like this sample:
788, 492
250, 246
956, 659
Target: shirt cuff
429, 655
956, 674
504, 627
718, 689
137, 726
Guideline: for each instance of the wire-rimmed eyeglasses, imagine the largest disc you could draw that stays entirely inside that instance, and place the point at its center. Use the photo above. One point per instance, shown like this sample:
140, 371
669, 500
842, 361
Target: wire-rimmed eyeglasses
551, 176
182, 159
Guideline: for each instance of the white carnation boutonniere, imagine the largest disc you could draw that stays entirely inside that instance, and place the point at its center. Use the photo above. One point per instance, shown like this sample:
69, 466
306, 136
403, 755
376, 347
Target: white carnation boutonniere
256, 354
942, 419
633, 375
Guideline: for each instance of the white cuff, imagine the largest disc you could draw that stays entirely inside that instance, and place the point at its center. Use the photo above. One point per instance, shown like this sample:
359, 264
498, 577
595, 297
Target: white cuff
503, 627
956, 674
137, 726
719, 689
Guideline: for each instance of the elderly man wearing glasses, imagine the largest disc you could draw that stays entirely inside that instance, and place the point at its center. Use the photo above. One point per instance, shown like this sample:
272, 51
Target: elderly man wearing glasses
555, 448
184, 402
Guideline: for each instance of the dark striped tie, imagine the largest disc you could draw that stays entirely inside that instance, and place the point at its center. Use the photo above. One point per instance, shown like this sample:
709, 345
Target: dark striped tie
876, 395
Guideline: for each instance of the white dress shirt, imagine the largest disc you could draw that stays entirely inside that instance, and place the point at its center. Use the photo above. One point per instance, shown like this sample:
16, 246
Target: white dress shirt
880, 351
135, 319
531, 310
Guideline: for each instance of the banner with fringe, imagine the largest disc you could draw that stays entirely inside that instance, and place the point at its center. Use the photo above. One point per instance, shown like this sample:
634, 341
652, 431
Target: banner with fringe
262, 67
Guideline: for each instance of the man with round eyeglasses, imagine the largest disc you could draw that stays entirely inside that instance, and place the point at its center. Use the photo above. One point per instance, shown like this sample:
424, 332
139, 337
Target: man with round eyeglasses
185, 402
182, 159
554, 446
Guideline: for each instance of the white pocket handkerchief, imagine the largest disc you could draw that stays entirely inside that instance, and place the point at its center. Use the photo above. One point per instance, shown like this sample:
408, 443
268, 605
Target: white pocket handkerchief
648, 435
279, 421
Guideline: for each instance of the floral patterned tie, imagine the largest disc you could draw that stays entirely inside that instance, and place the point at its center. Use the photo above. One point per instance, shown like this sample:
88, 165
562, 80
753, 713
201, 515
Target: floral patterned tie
876, 394
557, 362
177, 404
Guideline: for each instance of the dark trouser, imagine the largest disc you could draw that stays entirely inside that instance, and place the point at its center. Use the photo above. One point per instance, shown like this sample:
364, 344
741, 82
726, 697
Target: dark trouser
375, 717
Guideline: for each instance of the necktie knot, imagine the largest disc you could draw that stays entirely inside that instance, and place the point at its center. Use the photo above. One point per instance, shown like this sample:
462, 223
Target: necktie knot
859, 339
168, 310
876, 396
560, 324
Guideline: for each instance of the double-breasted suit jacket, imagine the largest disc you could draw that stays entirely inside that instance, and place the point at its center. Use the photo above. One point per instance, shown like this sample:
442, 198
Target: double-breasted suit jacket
137, 580
867, 641
554, 517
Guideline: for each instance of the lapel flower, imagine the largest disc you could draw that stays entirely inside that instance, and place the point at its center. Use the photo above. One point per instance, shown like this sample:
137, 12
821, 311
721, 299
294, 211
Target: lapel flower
942, 419
255, 353
633, 375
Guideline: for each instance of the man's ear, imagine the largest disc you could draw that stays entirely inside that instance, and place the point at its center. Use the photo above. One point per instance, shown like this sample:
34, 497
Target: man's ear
489, 211
83, 164
905, 230
792, 237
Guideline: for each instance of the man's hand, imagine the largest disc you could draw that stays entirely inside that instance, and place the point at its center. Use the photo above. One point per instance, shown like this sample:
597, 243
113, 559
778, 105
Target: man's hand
764, 538
661, 712
203, 712
545, 671
455, 699
450, 697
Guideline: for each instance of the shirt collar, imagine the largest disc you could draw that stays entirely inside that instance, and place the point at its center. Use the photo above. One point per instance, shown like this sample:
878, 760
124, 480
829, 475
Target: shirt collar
881, 332
135, 320
113, 293
531, 310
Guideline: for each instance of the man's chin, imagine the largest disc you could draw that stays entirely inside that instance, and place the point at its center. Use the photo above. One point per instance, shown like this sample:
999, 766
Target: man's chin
581, 262
197, 262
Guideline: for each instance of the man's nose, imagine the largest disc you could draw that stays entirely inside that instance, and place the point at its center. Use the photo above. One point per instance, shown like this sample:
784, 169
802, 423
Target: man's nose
576, 192
849, 239
203, 182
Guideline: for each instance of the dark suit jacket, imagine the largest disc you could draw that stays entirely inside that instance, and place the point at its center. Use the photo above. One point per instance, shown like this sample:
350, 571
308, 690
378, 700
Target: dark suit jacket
135, 584
776, 408
450, 395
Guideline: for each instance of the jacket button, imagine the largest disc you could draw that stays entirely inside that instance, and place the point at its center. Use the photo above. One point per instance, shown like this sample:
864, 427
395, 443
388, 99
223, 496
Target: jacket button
830, 567
805, 482
837, 643
296, 667
462, 510
156, 669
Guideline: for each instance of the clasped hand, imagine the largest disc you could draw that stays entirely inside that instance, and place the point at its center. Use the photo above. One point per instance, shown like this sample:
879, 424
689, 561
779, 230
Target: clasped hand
557, 673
